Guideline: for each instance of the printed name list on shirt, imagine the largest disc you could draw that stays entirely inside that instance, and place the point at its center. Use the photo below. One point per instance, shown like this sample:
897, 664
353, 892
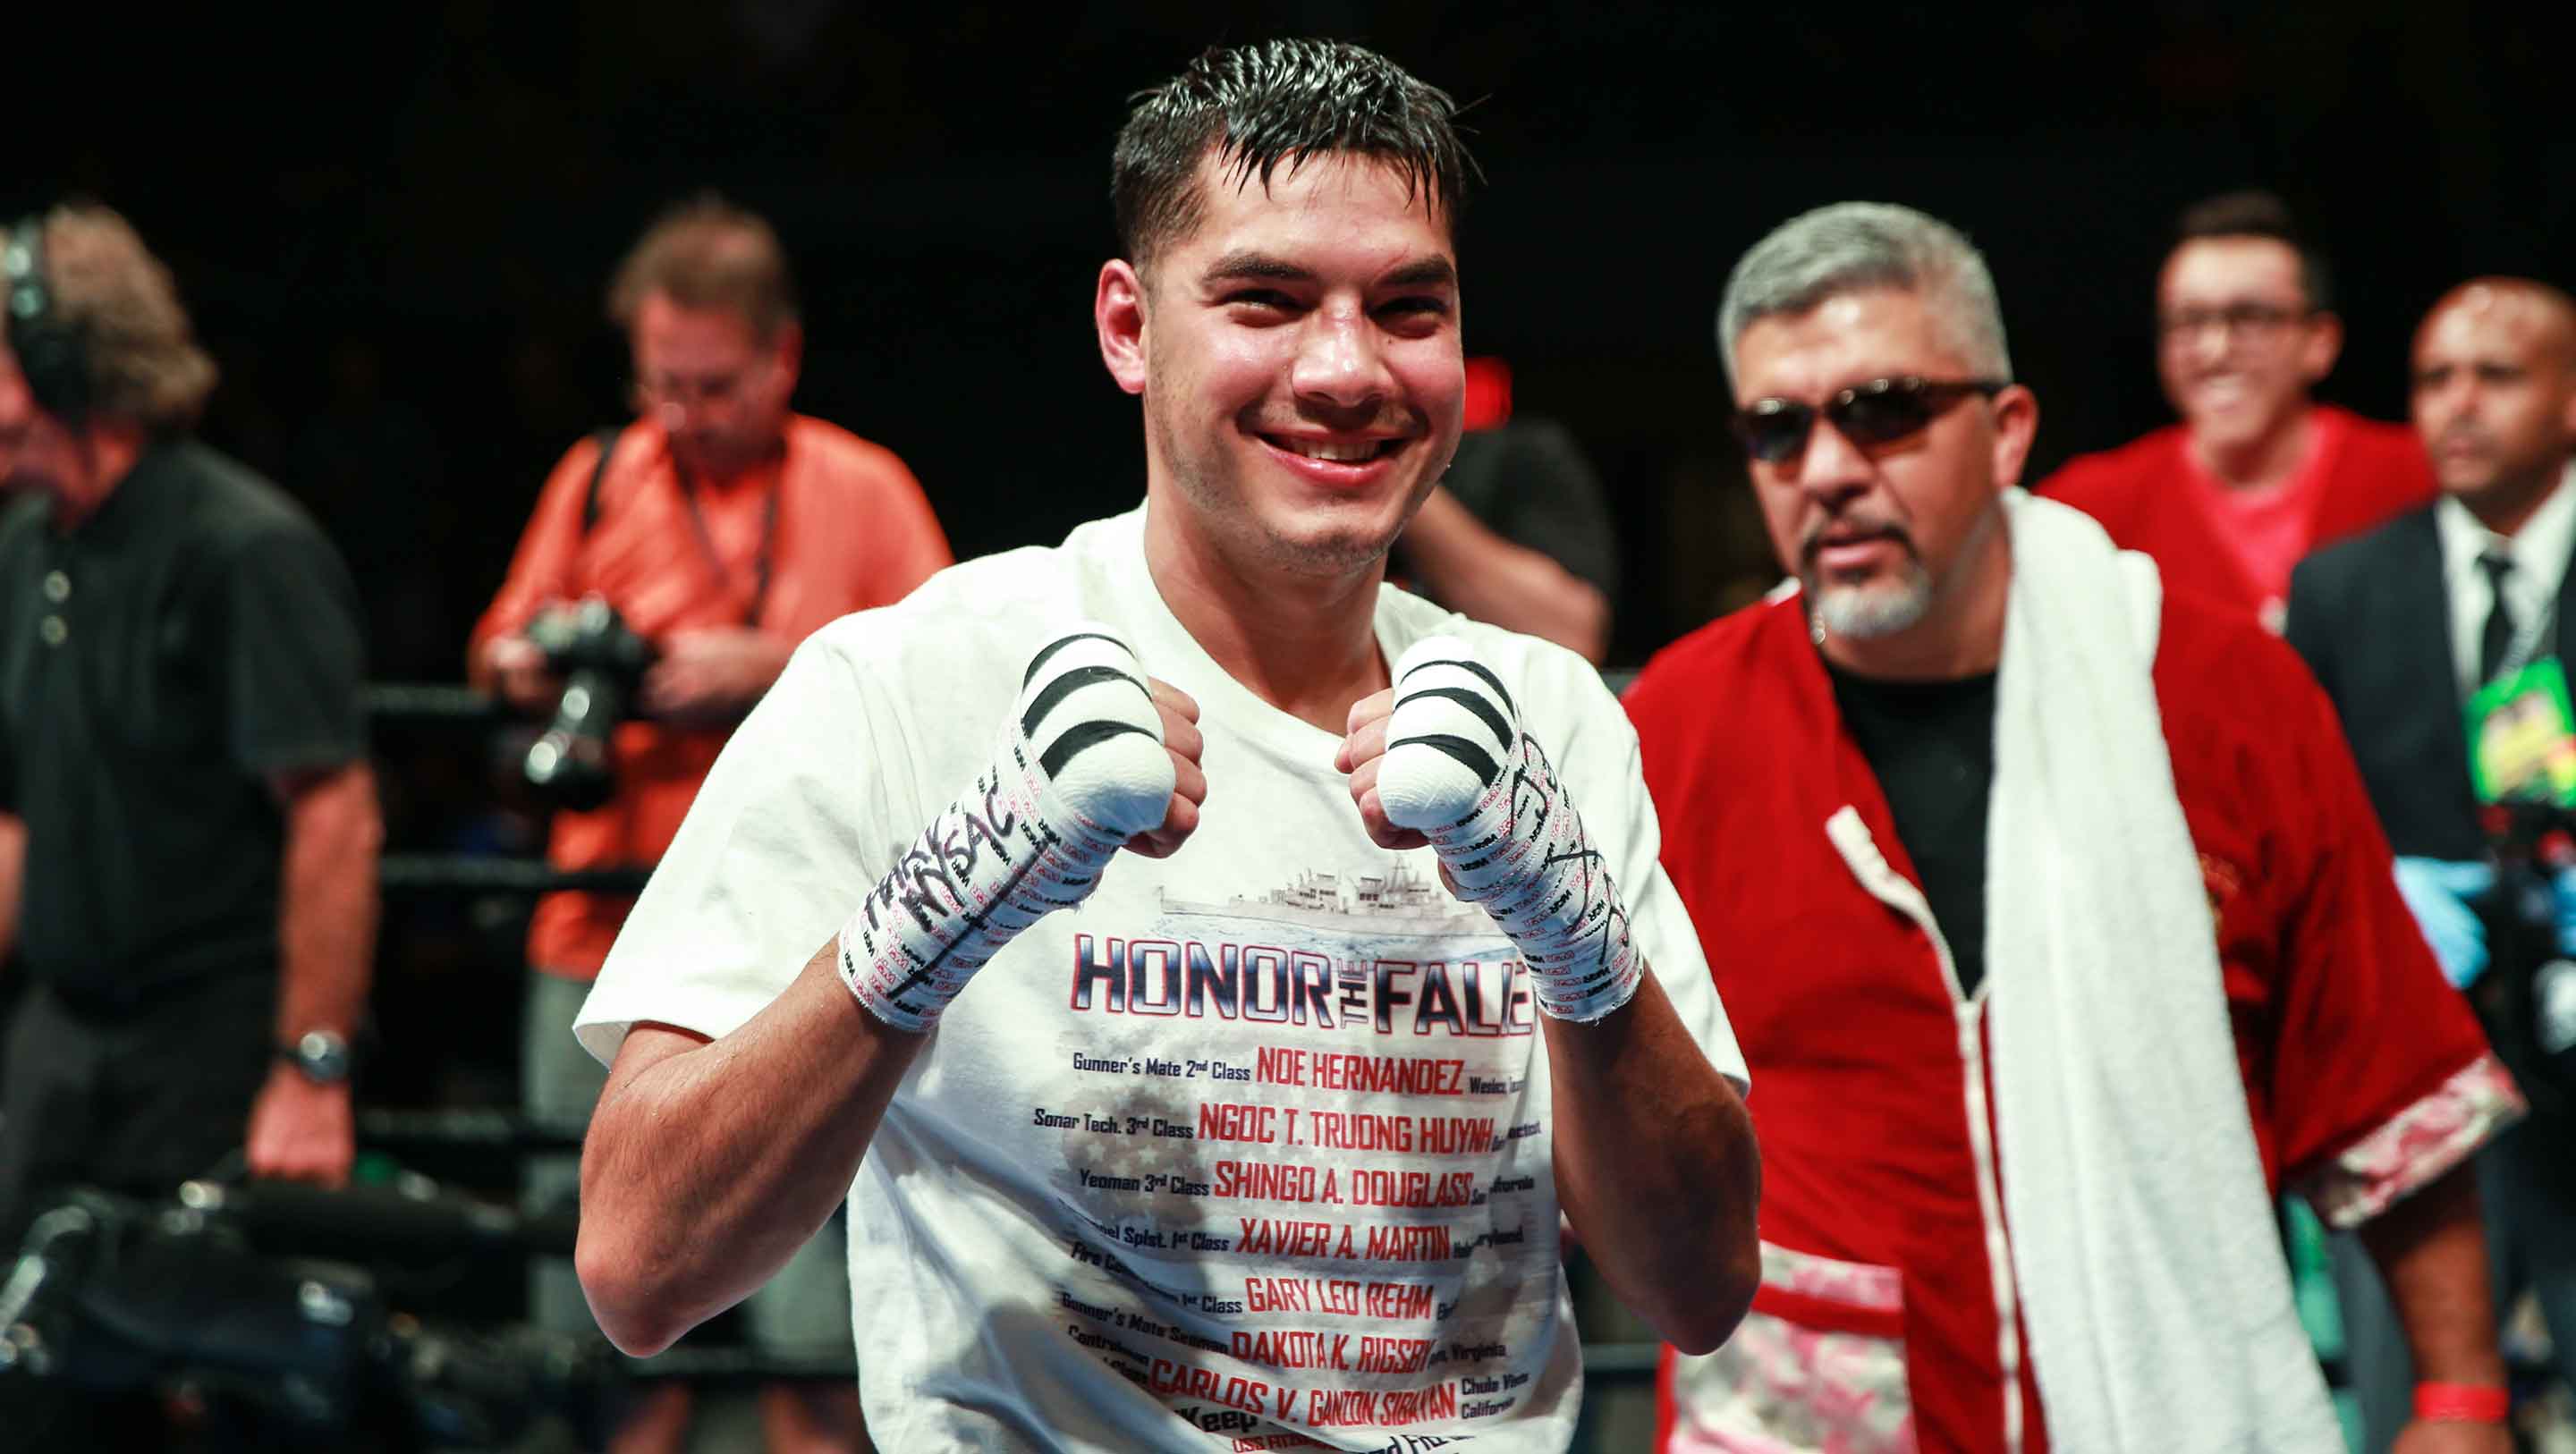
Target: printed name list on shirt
1286, 1237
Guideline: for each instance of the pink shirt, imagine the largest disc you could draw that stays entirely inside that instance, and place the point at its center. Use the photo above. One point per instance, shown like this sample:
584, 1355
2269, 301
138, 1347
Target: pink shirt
2153, 495
2267, 528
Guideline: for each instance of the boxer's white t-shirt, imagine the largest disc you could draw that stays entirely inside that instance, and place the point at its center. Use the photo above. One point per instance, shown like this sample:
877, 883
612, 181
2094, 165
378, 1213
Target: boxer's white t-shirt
1251, 1150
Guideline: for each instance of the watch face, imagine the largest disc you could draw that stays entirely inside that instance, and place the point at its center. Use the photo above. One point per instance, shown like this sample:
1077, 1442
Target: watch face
322, 1056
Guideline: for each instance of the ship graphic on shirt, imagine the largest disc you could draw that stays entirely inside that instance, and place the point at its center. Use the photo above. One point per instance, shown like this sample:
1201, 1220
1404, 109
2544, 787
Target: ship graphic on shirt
1395, 903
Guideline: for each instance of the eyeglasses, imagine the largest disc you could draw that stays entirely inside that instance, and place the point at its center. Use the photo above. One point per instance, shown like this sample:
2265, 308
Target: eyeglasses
2236, 320
677, 391
1881, 411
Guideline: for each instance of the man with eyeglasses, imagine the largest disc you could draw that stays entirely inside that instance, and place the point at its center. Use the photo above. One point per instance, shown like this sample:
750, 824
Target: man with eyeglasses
2402, 627
723, 527
2056, 923
2257, 474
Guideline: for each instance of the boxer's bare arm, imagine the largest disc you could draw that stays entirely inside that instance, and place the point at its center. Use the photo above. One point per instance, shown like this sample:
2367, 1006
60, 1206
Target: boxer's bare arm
1657, 1168
709, 1162
1655, 1159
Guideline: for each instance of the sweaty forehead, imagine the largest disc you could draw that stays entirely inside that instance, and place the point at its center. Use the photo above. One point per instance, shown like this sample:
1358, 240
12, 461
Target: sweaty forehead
1311, 192
1847, 339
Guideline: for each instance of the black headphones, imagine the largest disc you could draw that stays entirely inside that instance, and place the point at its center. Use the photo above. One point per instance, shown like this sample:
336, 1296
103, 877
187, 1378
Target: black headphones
51, 355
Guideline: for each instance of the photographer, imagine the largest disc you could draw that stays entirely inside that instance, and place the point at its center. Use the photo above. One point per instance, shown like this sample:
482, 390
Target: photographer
188, 825
721, 528
2461, 603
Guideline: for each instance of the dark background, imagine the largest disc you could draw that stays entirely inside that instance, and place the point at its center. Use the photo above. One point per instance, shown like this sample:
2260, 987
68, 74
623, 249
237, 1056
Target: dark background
394, 230
434, 195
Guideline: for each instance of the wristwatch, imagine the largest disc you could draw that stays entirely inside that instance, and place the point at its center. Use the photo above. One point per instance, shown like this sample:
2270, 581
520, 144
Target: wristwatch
321, 1056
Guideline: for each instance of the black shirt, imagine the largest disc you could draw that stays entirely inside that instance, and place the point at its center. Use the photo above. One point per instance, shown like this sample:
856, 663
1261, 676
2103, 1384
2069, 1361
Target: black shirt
1932, 746
192, 636
1529, 482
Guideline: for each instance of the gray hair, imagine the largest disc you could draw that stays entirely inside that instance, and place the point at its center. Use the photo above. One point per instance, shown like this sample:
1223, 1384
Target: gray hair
1853, 247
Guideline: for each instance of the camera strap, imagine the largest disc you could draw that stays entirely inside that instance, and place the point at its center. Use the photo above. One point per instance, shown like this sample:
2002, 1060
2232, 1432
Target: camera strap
762, 564
606, 439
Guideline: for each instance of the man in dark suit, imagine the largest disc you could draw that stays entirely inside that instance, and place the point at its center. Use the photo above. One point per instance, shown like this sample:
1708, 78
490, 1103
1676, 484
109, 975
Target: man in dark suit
2401, 626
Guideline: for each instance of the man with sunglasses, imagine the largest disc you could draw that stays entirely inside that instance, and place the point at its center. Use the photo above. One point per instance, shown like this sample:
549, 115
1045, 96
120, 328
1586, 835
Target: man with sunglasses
723, 527
2057, 924
2257, 473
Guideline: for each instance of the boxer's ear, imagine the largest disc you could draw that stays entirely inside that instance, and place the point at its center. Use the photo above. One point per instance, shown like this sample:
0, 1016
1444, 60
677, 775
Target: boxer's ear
1118, 313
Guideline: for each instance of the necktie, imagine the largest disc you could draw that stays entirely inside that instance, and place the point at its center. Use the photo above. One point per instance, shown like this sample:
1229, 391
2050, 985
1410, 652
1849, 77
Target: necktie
2497, 640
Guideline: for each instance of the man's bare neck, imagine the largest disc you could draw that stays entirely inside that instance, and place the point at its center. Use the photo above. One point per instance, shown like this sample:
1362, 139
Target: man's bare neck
722, 473
1305, 644
2265, 461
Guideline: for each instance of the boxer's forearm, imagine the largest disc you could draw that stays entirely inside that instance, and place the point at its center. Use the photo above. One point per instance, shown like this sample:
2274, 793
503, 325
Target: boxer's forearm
1655, 1162
710, 1162
1656, 1167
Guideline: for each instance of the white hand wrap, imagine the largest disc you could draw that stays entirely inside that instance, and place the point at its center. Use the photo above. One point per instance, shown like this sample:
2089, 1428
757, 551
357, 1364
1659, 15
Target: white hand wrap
1080, 770
1459, 768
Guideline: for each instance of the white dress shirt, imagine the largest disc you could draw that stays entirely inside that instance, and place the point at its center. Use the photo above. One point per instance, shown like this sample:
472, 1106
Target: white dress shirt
2539, 553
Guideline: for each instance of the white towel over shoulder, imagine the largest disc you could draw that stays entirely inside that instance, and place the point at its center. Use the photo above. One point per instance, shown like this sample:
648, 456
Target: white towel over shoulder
2159, 1308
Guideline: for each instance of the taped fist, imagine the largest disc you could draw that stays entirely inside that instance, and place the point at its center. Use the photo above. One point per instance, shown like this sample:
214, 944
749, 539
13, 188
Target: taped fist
1440, 758
1095, 757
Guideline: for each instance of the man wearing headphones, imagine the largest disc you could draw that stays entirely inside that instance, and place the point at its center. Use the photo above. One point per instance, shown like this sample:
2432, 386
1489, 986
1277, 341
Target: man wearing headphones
723, 527
188, 824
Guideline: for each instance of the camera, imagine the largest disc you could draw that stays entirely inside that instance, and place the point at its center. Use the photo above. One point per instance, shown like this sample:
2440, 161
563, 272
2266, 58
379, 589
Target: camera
220, 1290
2527, 999
602, 662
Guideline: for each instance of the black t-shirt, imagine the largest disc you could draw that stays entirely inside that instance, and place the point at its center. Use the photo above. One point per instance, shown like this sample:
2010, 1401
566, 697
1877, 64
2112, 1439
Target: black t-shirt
1932, 745
157, 663
1529, 483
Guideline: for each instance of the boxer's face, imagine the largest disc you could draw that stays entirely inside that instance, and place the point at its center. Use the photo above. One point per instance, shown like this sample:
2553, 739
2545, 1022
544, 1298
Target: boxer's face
1300, 363
1874, 531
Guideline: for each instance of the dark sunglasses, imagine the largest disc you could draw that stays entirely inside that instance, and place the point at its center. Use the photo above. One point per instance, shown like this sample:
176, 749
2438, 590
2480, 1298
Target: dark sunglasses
1881, 411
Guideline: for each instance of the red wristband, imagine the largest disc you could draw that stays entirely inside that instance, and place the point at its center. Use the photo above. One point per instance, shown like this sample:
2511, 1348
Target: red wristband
2461, 1403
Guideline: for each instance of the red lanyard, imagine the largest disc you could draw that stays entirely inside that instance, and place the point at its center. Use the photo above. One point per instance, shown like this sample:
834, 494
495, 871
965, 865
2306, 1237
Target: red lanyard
761, 563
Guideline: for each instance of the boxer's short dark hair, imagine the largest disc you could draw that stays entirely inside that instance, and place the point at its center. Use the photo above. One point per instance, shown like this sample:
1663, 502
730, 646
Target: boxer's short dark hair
1280, 101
